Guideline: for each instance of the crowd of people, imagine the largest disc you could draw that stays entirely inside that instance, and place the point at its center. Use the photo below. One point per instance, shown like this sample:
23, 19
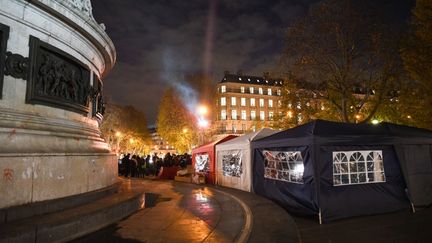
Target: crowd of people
140, 166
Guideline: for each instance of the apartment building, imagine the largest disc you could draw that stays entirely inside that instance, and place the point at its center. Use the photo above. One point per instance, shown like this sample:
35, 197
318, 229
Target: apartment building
160, 146
245, 103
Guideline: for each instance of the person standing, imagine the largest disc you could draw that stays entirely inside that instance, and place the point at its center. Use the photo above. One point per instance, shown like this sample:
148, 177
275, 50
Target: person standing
126, 164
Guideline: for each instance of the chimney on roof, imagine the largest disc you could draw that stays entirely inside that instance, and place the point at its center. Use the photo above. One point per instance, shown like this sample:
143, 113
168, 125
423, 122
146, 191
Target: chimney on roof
240, 72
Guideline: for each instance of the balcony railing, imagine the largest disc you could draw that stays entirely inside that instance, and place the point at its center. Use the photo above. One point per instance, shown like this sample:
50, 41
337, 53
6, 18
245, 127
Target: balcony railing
247, 91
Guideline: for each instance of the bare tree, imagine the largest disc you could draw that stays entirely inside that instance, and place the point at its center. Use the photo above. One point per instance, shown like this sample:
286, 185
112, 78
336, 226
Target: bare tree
347, 46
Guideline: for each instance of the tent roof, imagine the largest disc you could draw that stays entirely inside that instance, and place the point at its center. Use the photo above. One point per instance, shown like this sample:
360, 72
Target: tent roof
331, 129
209, 146
249, 137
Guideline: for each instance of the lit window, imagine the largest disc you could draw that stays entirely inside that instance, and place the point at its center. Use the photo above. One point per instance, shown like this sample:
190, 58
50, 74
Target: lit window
223, 89
242, 89
252, 102
253, 115
251, 90
270, 103
358, 167
243, 115
234, 115
223, 101
261, 102
280, 82
249, 79
283, 166
271, 115
279, 92
262, 115
279, 103
243, 101
239, 79
260, 91
258, 80
266, 81
223, 114
269, 91
233, 101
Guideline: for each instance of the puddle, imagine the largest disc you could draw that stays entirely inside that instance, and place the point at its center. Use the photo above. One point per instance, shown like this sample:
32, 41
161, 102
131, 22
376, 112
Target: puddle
151, 199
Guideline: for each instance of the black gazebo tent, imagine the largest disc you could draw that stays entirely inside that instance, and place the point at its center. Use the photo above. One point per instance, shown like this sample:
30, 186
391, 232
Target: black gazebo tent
339, 170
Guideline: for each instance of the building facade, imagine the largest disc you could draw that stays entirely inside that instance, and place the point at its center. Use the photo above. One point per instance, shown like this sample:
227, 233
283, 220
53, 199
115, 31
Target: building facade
160, 146
246, 103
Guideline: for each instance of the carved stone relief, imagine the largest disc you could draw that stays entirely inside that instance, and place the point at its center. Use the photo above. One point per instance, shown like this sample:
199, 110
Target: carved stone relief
57, 79
4, 36
97, 98
82, 5
16, 65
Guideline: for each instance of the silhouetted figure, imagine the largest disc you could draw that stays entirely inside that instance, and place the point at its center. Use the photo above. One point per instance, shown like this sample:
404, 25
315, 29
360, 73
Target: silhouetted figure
126, 165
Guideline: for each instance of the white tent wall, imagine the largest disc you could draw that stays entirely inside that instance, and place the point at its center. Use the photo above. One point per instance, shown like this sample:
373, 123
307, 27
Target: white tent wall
241, 181
228, 153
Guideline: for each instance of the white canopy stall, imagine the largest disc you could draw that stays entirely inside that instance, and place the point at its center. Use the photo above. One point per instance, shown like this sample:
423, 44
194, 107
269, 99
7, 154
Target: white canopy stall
233, 160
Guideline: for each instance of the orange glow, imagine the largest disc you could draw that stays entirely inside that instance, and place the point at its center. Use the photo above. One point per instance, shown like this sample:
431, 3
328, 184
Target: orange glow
202, 110
290, 114
118, 134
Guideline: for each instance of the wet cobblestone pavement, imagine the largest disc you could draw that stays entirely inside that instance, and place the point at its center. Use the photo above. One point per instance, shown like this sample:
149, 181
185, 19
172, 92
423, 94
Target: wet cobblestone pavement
177, 212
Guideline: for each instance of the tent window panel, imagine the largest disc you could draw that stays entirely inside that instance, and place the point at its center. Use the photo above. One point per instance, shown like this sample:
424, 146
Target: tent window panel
344, 179
283, 166
336, 179
362, 177
357, 167
202, 163
232, 164
336, 168
361, 167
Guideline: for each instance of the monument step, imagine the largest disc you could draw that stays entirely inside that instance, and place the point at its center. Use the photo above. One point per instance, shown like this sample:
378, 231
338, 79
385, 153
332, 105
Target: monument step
74, 222
55, 205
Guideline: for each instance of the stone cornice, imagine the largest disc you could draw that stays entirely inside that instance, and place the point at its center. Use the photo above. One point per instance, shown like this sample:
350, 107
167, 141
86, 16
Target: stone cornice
31, 133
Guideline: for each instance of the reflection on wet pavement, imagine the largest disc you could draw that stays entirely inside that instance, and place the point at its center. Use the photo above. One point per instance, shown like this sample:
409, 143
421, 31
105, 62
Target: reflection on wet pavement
180, 212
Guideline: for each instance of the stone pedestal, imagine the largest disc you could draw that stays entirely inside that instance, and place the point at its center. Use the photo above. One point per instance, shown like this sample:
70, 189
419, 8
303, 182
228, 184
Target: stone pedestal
53, 56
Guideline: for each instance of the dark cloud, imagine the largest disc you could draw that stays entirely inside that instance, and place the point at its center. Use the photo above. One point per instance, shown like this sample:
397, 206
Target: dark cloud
158, 42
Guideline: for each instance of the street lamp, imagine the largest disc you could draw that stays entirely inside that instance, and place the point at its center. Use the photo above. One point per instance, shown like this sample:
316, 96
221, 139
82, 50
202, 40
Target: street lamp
375, 121
203, 123
202, 110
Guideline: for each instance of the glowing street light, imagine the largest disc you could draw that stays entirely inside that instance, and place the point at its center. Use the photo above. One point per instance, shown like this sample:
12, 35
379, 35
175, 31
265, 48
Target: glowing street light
202, 110
203, 123
375, 121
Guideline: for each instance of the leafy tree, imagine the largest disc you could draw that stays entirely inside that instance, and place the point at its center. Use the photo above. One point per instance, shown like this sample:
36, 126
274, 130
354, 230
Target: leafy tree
125, 129
417, 58
345, 45
175, 123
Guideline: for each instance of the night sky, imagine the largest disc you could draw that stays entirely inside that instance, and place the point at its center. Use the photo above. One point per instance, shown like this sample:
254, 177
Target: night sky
159, 42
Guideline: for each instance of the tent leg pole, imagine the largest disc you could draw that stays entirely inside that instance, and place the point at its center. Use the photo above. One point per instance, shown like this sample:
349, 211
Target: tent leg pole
319, 216
413, 208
